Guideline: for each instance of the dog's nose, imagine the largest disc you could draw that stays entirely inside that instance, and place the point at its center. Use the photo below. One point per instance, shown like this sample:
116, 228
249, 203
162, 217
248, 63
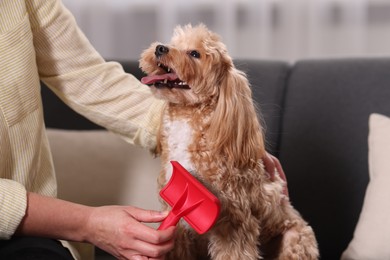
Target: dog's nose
161, 50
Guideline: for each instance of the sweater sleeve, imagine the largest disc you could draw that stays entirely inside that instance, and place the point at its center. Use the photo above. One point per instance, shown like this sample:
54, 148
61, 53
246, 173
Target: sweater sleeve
13, 203
99, 90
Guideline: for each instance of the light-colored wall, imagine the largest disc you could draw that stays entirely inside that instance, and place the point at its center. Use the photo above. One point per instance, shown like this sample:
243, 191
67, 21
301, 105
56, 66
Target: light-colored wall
276, 29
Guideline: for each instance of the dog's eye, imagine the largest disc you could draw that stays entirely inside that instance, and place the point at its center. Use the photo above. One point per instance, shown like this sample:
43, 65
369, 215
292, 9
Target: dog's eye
194, 54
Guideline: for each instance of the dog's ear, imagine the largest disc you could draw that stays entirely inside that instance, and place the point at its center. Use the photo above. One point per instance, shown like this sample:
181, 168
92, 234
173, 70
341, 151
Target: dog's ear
235, 126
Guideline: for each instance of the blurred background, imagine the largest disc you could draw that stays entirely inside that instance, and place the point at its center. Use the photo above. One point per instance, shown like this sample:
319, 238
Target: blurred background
257, 29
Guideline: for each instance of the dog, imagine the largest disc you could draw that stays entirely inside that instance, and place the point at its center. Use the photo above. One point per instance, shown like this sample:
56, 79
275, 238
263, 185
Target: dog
210, 125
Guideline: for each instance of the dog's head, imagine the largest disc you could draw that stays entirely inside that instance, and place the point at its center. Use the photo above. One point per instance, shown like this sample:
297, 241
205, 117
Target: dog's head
189, 69
195, 68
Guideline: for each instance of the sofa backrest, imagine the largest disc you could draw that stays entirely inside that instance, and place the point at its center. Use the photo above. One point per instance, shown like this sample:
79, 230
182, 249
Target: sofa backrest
324, 148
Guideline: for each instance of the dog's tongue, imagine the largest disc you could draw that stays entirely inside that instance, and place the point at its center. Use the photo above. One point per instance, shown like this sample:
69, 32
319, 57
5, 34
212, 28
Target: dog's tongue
154, 78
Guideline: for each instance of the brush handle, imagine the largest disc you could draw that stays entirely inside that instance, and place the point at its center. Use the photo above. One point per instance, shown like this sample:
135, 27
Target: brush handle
171, 220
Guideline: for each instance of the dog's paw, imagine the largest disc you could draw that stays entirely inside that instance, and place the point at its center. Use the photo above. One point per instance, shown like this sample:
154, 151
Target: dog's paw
299, 245
299, 253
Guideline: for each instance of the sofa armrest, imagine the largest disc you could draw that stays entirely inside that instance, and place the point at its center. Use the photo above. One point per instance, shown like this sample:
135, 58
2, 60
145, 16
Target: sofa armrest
96, 167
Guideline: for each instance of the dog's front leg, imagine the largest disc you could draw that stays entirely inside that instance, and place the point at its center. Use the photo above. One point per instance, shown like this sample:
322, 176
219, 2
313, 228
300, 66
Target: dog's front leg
184, 244
238, 242
298, 242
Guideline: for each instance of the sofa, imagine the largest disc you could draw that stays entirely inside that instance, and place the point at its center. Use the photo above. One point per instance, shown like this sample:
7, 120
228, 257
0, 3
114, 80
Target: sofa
316, 119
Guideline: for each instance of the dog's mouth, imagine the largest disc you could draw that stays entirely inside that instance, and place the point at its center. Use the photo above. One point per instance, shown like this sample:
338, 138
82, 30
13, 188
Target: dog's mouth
169, 79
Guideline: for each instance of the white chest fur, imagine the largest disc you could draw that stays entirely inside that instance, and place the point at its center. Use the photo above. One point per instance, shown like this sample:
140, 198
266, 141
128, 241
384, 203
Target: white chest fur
179, 136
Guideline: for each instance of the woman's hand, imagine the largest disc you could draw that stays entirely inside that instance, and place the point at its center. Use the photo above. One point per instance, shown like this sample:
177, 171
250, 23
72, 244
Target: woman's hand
120, 231
273, 166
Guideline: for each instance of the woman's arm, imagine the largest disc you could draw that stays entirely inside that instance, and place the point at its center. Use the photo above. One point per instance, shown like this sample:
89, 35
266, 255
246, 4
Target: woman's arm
99, 90
116, 229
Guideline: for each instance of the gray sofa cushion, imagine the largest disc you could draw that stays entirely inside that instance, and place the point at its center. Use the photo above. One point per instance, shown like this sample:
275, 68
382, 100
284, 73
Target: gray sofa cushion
324, 142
